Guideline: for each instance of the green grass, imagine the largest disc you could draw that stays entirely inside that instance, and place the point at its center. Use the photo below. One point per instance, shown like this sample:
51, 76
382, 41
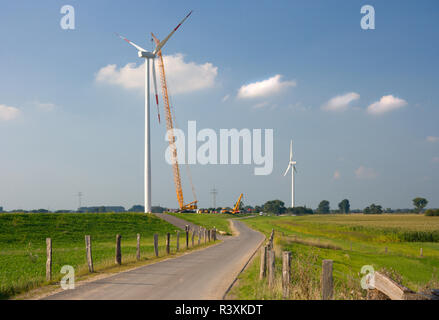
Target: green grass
208, 220
23, 244
314, 238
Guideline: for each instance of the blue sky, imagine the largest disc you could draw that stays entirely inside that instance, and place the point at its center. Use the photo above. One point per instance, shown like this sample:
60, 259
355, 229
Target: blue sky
63, 129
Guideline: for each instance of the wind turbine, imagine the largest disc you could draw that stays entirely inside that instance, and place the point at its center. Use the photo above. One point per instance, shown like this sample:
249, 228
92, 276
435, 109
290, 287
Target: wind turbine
291, 164
148, 55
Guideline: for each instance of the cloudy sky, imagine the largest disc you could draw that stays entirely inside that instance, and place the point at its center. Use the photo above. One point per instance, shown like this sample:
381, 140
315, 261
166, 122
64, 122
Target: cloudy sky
360, 105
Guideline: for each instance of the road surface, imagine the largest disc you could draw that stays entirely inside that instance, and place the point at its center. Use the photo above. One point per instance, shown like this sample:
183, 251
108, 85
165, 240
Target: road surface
202, 274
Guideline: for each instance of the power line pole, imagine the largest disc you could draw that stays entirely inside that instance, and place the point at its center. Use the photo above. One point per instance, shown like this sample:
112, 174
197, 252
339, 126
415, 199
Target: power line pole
214, 192
79, 199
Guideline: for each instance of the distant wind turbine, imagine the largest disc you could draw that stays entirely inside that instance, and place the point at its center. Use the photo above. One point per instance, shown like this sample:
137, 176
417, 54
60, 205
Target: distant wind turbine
142, 53
291, 164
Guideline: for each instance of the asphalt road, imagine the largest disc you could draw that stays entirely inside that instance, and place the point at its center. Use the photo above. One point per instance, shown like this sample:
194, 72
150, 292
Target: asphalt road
202, 274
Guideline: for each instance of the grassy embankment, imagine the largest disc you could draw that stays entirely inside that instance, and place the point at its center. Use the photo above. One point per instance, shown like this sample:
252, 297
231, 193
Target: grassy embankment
351, 241
208, 221
23, 244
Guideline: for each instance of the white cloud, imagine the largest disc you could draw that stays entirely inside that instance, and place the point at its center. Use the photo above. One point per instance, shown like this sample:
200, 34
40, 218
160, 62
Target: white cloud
265, 88
8, 113
386, 104
337, 175
181, 76
261, 105
365, 173
226, 97
432, 139
341, 103
45, 106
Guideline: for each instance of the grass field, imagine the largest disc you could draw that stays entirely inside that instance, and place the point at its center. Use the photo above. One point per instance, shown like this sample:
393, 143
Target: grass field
316, 237
208, 221
23, 244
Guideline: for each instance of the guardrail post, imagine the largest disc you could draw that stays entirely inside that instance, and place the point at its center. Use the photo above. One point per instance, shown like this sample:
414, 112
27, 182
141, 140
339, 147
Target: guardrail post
168, 243
49, 259
118, 250
263, 265
327, 282
88, 253
138, 247
271, 268
286, 273
156, 244
178, 240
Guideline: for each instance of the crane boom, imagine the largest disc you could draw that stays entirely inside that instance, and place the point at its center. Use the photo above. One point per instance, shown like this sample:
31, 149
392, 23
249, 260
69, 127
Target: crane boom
171, 137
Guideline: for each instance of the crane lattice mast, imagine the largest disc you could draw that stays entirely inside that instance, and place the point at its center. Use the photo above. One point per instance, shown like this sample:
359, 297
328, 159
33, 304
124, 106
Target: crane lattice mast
171, 136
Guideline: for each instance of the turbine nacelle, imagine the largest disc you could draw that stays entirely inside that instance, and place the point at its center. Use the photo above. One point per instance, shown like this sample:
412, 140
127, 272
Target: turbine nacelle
146, 54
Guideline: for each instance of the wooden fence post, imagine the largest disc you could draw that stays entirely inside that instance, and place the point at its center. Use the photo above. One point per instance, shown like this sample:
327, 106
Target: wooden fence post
88, 253
209, 234
286, 273
138, 247
168, 243
187, 236
156, 244
193, 238
421, 253
263, 265
271, 268
327, 280
214, 234
118, 250
385, 250
199, 235
49, 259
178, 240
205, 235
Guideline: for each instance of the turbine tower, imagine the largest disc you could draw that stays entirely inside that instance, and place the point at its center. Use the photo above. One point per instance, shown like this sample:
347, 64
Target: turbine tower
293, 165
142, 53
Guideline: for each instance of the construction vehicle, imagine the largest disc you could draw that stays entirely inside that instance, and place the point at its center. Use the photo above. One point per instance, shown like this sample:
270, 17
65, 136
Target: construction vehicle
236, 208
192, 206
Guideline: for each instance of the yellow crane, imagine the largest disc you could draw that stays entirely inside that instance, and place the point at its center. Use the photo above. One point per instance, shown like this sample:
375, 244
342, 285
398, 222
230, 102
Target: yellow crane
235, 208
171, 137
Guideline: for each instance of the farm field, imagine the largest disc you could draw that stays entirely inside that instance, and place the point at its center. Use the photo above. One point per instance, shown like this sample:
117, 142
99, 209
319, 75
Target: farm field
389, 243
23, 244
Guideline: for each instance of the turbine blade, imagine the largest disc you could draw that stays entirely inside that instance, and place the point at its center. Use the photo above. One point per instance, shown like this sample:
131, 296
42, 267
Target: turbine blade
161, 44
131, 43
155, 88
294, 167
288, 168
291, 150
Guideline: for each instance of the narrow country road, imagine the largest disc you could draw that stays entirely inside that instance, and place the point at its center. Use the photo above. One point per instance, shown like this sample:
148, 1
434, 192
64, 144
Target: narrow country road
202, 274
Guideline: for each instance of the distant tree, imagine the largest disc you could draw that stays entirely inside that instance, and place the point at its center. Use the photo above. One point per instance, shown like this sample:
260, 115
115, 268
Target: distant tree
344, 206
101, 209
432, 212
258, 209
40, 211
420, 203
137, 208
323, 207
158, 209
373, 209
299, 210
274, 206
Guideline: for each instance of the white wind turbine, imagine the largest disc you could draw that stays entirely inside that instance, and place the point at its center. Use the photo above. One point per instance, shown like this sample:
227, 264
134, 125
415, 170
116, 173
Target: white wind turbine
291, 164
142, 53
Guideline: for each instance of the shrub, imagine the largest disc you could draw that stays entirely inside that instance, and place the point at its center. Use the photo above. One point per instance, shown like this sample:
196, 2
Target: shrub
432, 212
